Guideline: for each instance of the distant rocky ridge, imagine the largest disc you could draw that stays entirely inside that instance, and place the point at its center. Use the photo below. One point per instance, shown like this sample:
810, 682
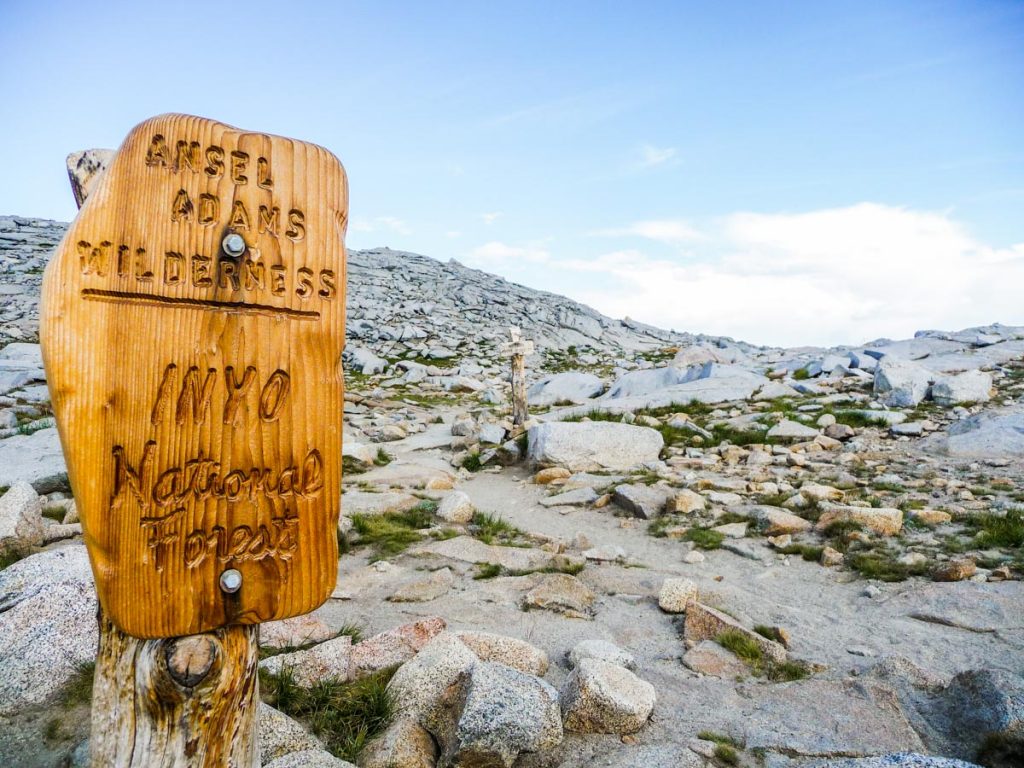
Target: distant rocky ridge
398, 303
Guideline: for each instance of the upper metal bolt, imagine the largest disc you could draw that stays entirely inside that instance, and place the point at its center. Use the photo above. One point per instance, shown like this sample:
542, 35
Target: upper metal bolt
233, 244
231, 581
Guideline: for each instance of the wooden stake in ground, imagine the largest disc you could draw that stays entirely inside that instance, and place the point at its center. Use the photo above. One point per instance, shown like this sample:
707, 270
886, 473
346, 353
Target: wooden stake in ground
518, 349
192, 328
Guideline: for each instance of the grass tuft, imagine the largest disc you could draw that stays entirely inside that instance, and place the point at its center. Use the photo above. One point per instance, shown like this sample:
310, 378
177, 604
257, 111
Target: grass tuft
493, 529
705, 538
78, 690
344, 715
999, 530
472, 462
742, 645
486, 571
392, 533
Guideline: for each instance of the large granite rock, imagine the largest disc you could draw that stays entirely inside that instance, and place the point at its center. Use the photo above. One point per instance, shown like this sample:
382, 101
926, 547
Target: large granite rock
645, 501
900, 383
967, 387
590, 446
36, 459
47, 626
560, 388
330, 660
21, 520
280, 735
498, 713
995, 435
420, 684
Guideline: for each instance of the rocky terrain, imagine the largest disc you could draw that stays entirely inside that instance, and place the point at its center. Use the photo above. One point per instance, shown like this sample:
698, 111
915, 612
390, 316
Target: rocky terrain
698, 553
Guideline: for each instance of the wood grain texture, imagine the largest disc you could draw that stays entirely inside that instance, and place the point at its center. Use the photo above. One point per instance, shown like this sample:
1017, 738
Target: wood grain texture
199, 396
173, 703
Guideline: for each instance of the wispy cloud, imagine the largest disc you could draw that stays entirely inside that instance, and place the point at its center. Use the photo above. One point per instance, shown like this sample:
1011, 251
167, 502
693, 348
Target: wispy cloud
670, 231
840, 275
490, 218
652, 156
496, 253
380, 224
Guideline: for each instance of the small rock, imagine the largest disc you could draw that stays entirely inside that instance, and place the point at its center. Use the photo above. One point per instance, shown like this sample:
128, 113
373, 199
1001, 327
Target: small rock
955, 570
705, 623
884, 521
425, 590
607, 553
792, 431
693, 557
930, 516
773, 521
709, 658
602, 650
687, 502
563, 594
831, 558
841, 432
509, 651
676, 594
21, 521
599, 697
456, 507
550, 475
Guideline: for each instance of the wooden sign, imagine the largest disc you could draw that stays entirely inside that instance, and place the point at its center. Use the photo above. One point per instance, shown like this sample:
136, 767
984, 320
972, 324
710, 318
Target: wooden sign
192, 328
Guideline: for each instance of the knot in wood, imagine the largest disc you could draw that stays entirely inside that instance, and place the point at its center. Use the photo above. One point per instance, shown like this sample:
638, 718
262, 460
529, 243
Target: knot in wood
190, 659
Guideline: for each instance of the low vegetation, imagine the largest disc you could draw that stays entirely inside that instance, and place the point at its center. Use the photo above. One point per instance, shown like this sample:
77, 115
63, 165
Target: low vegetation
493, 529
344, 715
746, 648
392, 533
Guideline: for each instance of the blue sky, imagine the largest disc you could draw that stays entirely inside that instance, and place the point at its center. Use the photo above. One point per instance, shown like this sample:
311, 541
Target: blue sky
830, 172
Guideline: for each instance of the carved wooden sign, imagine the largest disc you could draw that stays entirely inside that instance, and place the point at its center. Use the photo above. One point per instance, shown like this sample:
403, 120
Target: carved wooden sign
192, 328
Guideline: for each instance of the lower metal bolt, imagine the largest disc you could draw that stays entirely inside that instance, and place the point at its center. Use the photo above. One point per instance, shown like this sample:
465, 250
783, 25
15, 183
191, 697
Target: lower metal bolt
231, 581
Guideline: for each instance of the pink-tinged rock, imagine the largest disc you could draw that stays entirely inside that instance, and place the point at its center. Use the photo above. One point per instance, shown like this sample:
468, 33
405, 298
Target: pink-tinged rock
295, 632
396, 646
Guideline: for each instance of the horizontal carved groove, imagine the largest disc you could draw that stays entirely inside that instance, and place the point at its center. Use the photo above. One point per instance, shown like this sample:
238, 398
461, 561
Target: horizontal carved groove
148, 299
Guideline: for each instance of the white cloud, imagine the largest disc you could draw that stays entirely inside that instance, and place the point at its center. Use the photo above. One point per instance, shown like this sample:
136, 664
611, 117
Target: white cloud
670, 231
843, 275
495, 253
379, 224
652, 157
490, 218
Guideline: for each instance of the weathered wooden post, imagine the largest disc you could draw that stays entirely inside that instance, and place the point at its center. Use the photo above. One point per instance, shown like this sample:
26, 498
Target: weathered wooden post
518, 349
192, 327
